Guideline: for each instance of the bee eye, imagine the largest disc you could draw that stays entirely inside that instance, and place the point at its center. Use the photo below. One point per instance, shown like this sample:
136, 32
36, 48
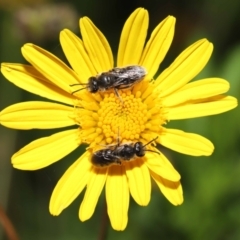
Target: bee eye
93, 85
140, 152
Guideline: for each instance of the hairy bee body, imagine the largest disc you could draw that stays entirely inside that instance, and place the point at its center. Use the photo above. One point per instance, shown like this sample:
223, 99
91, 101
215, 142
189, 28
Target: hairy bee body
116, 78
119, 153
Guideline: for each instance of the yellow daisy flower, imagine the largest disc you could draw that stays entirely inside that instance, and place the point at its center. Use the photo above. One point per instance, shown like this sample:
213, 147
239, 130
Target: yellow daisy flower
140, 114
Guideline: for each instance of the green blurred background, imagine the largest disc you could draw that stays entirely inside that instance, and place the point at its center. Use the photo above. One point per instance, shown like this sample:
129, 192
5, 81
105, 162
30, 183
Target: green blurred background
211, 209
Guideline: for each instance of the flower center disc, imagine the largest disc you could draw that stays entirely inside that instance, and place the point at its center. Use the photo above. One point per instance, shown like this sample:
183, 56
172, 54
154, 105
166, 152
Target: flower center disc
126, 116
104, 118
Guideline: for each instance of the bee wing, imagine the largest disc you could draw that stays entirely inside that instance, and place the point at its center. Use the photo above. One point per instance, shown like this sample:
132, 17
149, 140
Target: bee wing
126, 77
125, 82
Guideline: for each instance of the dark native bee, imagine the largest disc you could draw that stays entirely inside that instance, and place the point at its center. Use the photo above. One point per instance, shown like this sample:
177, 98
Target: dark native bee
116, 78
124, 152
104, 157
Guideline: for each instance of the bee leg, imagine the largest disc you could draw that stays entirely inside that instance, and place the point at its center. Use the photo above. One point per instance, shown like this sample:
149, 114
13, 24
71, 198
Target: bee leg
117, 94
119, 162
125, 87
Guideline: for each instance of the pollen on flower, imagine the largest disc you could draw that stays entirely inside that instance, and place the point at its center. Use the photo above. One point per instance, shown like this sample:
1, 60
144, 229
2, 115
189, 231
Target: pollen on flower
129, 118
123, 117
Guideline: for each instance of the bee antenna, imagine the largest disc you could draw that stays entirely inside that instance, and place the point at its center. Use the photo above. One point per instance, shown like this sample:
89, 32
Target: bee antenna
77, 84
78, 90
152, 151
150, 142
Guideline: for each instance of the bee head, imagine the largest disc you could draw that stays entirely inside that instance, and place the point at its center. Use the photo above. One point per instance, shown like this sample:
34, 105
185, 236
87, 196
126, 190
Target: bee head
93, 84
139, 149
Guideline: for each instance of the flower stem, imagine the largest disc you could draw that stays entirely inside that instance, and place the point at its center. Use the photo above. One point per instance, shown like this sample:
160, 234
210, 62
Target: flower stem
104, 224
7, 225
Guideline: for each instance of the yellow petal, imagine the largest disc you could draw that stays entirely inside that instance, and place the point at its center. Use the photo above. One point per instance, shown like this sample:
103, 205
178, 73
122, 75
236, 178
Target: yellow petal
158, 45
197, 90
161, 166
29, 79
96, 45
139, 181
70, 184
42, 115
117, 195
186, 143
50, 66
219, 104
133, 38
95, 185
171, 190
185, 67
45, 151
77, 56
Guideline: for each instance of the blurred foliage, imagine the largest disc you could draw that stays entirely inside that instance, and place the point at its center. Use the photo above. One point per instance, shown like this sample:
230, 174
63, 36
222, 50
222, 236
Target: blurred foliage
211, 185
41, 22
